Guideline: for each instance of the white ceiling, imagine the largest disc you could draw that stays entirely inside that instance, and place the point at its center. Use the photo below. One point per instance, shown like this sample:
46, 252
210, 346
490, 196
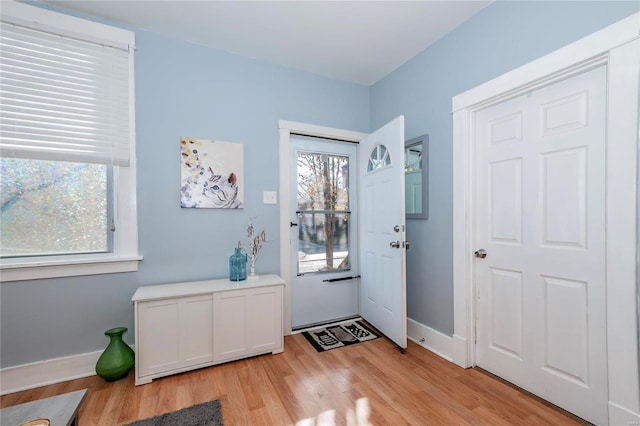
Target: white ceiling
356, 41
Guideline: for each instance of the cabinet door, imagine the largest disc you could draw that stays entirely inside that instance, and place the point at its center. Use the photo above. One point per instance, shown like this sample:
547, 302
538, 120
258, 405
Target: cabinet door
265, 319
196, 330
230, 325
158, 327
247, 322
174, 333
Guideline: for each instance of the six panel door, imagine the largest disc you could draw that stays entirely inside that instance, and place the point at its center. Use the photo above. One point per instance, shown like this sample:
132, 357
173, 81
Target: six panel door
540, 216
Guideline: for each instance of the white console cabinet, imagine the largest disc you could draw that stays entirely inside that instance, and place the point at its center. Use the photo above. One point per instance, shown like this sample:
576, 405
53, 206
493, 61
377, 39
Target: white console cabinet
180, 327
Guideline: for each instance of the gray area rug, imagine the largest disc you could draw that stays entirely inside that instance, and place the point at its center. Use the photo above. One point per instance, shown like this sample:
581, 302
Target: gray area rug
206, 414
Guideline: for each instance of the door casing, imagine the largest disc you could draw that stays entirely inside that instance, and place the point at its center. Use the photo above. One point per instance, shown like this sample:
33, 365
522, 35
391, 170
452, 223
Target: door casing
313, 301
617, 46
286, 129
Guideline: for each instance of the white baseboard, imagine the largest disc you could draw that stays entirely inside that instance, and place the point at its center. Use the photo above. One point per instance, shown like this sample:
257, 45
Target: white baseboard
620, 416
460, 355
41, 373
428, 338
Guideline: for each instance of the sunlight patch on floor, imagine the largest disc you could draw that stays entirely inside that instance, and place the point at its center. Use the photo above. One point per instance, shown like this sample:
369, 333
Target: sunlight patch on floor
358, 416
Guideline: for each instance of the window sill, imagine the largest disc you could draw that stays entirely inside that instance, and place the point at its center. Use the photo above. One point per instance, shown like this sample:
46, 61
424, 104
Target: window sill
55, 267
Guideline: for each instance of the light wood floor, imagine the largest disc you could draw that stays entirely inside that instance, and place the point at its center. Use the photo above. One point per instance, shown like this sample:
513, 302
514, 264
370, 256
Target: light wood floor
368, 383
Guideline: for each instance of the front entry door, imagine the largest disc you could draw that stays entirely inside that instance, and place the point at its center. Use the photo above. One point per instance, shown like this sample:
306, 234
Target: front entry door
383, 300
324, 230
540, 268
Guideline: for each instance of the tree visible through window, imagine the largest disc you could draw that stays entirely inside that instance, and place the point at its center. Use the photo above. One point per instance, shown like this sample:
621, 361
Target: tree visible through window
53, 207
323, 212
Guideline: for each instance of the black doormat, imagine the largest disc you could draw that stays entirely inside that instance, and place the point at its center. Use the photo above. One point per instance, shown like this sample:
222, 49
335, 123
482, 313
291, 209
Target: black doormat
206, 414
340, 335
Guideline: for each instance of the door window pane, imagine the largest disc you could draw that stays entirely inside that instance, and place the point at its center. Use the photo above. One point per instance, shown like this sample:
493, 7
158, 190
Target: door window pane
323, 242
379, 158
53, 207
323, 212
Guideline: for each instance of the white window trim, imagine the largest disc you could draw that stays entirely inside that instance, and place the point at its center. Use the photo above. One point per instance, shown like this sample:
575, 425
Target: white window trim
70, 26
125, 255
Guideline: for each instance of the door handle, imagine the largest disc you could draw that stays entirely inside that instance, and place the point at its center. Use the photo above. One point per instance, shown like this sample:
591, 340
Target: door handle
395, 244
482, 253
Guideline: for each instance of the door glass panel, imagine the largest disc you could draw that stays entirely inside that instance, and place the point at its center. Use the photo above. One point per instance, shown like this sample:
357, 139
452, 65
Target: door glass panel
323, 242
323, 212
379, 158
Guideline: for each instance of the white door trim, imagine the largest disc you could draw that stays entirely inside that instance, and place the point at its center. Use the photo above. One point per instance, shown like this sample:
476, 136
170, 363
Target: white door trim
619, 47
286, 129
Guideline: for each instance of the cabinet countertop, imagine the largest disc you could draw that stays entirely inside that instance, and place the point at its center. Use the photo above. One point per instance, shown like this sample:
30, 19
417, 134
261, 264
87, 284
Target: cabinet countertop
164, 291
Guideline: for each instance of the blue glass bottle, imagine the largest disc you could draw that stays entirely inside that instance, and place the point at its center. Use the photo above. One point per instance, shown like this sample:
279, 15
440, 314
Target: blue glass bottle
238, 266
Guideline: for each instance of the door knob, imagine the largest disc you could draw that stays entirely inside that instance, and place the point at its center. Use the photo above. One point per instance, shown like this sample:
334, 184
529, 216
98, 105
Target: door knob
395, 244
482, 253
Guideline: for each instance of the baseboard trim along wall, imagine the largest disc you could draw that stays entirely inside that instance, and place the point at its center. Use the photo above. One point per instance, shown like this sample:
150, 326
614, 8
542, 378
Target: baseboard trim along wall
430, 339
42, 373
443, 345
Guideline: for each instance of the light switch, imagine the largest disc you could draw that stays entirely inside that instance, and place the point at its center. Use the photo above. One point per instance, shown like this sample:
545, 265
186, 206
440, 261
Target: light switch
270, 197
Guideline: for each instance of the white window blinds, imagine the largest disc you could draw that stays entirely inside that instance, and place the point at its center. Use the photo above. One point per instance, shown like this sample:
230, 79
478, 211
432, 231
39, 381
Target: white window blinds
62, 98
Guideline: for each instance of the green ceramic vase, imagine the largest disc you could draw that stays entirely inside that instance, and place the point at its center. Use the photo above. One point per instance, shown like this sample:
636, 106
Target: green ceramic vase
117, 359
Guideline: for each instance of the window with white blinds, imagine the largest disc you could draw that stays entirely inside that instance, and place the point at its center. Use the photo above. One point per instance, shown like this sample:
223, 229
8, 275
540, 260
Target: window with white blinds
62, 98
67, 146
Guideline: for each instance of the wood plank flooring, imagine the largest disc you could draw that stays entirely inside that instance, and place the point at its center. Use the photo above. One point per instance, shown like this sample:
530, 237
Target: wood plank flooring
371, 383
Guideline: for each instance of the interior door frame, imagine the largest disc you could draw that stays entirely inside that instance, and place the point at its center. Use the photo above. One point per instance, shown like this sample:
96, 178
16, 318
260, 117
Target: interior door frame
618, 47
286, 129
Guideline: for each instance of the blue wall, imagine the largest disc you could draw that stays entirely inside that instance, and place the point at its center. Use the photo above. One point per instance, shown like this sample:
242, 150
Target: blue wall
503, 36
182, 89
188, 90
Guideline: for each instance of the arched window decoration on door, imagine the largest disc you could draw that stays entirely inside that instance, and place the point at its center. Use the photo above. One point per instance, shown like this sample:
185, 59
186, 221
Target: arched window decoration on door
379, 158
